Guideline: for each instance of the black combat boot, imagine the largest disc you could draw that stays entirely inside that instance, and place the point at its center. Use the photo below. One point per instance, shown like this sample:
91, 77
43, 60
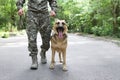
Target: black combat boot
34, 62
43, 56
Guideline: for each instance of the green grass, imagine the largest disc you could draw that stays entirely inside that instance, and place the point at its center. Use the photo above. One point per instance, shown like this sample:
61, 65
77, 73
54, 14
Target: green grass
4, 34
8, 34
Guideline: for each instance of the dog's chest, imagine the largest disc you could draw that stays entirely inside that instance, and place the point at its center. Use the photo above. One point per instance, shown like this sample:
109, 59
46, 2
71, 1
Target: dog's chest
59, 47
58, 44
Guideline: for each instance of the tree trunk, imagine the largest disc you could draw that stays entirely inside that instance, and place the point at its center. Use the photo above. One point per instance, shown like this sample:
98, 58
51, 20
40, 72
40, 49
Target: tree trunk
115, 8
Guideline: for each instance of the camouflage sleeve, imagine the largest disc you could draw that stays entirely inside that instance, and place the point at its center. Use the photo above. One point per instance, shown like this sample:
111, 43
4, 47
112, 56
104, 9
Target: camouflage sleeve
20, 3
53, 5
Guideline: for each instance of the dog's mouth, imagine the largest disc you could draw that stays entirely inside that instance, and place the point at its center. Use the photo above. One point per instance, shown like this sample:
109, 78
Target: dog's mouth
60, 31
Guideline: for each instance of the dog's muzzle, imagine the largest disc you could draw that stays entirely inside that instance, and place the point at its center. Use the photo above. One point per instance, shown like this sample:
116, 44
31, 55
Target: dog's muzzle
60, 30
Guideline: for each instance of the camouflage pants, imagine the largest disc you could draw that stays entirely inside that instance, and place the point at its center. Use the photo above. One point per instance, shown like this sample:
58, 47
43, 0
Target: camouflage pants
38, 22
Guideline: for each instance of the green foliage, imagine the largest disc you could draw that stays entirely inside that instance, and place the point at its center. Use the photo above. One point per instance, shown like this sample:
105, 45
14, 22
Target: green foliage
68, 11
8, 14
99, 17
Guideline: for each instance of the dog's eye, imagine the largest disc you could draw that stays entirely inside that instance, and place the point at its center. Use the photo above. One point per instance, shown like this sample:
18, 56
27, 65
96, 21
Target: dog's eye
63, 23
58, 23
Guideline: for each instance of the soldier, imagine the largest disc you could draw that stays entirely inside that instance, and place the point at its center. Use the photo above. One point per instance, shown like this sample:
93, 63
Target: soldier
38, 20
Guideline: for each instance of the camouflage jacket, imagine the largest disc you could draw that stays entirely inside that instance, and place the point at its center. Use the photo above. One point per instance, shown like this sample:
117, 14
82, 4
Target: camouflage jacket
38, 5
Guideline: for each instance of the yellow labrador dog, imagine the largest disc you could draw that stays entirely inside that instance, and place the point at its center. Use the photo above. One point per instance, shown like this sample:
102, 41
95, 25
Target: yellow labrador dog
59, 42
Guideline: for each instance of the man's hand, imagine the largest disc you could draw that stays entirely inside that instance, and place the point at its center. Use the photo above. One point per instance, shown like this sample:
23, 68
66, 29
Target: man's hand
20, 12
52, 13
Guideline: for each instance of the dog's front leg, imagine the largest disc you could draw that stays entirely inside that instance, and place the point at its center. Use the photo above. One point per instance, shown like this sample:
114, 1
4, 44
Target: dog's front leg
60, 57
64, 60
52, 65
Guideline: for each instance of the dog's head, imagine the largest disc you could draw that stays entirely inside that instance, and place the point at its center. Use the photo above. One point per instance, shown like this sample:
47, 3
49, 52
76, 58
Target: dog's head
60, 28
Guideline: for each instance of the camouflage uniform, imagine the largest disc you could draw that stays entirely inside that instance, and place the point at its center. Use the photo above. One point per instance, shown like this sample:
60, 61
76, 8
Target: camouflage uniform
38, 21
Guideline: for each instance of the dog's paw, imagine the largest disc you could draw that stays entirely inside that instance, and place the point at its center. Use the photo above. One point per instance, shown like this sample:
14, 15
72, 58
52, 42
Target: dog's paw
65, 68
52, 66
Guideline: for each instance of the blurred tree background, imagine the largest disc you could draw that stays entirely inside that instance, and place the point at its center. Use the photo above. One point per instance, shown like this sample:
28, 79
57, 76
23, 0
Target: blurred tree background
99, 17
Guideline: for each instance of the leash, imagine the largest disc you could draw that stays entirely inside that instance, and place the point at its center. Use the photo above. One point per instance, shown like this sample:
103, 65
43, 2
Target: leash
20, 25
